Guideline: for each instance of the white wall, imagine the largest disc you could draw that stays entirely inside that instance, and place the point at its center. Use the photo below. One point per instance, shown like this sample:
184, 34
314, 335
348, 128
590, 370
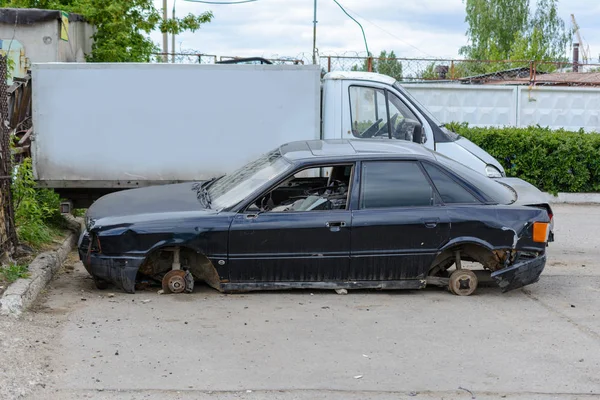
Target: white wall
80, 34
40, 40
570, 108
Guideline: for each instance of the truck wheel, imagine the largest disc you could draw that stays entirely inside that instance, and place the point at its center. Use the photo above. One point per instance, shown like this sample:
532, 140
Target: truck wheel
100, 284
463, 282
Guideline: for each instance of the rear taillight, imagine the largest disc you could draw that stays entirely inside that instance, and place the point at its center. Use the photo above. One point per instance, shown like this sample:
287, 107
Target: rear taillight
540, 232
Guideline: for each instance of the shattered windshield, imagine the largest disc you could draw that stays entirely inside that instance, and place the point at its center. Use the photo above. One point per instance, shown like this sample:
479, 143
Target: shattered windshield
235, 187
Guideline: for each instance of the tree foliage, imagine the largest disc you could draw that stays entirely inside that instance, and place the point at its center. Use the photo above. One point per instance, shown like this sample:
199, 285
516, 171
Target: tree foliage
508, 30
386, 64
123, 26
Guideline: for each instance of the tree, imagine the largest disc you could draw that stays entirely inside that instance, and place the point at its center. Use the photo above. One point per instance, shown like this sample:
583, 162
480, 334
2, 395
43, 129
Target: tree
386, 64
123, 26
492, 27
507, 30
546, 37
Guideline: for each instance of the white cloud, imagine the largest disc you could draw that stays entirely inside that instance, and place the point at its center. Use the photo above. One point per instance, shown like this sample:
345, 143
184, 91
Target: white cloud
424, 28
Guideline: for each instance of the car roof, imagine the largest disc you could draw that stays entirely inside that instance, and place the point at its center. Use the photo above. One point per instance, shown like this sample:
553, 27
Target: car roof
359, 76
348, 148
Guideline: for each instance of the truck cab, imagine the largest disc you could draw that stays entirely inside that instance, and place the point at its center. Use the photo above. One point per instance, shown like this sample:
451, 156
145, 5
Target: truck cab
368, 105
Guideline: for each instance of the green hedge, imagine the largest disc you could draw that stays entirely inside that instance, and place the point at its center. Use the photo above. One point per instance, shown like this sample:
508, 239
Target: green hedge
553, 160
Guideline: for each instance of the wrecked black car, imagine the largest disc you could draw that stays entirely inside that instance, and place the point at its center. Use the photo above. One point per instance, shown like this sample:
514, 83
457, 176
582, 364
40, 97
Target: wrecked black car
337, 214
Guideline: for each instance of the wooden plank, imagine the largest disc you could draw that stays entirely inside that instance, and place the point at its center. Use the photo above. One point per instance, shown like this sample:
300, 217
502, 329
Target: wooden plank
25, 136
20, 150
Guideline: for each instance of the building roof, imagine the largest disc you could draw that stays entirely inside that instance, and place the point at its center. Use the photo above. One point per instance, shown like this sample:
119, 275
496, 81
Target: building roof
578, 78
29, 16
498, 76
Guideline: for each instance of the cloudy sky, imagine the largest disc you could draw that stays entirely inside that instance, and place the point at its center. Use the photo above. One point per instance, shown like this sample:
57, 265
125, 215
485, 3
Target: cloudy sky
412, 28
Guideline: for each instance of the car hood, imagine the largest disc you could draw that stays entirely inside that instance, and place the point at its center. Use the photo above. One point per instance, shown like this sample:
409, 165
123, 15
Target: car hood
527, 194
478, 152
162, 199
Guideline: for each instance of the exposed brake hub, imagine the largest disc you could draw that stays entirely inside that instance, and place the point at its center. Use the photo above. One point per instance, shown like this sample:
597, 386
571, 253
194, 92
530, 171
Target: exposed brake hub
174, 281
178, 281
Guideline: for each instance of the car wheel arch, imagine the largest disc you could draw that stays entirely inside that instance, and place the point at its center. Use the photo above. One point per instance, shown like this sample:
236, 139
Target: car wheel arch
199, 265
471, 249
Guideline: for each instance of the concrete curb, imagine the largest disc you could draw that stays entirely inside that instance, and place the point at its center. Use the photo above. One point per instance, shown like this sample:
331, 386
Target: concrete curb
23, 292
574, 198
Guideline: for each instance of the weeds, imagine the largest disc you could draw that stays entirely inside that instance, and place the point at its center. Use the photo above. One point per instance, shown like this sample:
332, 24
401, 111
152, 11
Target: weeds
13, 272
37, 213
79, 212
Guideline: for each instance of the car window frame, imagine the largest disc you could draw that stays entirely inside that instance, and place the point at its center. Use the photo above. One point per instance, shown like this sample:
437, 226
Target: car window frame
386, 93
436, 196
455, 179
295, 170
481, 196
390, 94
387, 108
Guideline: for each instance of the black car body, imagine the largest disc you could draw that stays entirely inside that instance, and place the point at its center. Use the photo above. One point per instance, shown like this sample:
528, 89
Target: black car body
389, 215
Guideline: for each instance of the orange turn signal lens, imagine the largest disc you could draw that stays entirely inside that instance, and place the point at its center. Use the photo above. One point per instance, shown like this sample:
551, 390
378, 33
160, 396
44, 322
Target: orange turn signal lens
540, 232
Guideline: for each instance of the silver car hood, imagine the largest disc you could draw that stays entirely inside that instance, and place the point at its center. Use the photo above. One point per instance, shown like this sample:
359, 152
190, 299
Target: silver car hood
527, 194
478, 152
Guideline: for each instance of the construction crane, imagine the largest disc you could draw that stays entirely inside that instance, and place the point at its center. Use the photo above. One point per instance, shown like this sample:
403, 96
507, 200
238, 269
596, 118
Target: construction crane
585, 49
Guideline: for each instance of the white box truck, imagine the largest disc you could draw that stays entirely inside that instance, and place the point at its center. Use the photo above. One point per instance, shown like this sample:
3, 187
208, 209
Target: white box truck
99, 128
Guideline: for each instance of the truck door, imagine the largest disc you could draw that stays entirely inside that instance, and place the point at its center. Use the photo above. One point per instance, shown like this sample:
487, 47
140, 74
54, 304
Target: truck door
376, 111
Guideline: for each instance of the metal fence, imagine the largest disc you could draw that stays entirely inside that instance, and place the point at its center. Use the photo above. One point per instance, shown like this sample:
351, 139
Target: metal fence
8, 235
200, 58
469, 71
431, 69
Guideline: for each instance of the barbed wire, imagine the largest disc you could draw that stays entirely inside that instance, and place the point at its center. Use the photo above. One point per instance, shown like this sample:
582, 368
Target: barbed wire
430, 69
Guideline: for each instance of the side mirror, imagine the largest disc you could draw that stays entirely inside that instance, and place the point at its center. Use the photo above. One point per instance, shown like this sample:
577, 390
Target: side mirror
419, 134
410, 130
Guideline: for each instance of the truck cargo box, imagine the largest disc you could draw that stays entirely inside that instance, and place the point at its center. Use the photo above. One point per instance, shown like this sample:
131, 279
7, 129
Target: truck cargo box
103, 126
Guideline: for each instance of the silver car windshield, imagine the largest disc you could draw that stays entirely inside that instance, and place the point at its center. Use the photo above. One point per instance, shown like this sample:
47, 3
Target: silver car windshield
235, 187
498, 192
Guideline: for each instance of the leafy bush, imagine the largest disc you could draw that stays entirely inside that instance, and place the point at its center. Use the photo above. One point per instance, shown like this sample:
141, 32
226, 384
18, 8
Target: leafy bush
553, 160
13, 272
37, 212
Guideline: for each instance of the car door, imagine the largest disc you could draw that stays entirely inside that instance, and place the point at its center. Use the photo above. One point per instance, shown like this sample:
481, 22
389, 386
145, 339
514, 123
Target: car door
399, 224
291, 246
466, 212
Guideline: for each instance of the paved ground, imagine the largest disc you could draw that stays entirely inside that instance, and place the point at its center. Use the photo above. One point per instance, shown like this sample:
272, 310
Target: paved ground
542, 342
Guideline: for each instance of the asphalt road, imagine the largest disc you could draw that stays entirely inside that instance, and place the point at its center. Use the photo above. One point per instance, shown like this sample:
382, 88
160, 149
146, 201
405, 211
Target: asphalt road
542, 342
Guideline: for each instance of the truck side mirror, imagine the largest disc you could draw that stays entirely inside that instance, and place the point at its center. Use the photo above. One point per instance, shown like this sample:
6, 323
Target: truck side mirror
419, 134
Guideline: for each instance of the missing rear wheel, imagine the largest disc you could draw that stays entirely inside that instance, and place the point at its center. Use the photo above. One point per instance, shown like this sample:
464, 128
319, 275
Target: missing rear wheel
463, 282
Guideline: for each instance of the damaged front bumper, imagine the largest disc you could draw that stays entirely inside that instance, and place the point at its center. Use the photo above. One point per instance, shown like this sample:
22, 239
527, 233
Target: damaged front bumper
120, 271
520, 274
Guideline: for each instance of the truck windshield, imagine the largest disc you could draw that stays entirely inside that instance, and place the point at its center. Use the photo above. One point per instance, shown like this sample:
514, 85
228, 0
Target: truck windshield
497, 192
235, 187
443, 131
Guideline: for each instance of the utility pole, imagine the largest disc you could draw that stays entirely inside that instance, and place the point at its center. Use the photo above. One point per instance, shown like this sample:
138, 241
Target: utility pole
173, 36
315, 34
165, 34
